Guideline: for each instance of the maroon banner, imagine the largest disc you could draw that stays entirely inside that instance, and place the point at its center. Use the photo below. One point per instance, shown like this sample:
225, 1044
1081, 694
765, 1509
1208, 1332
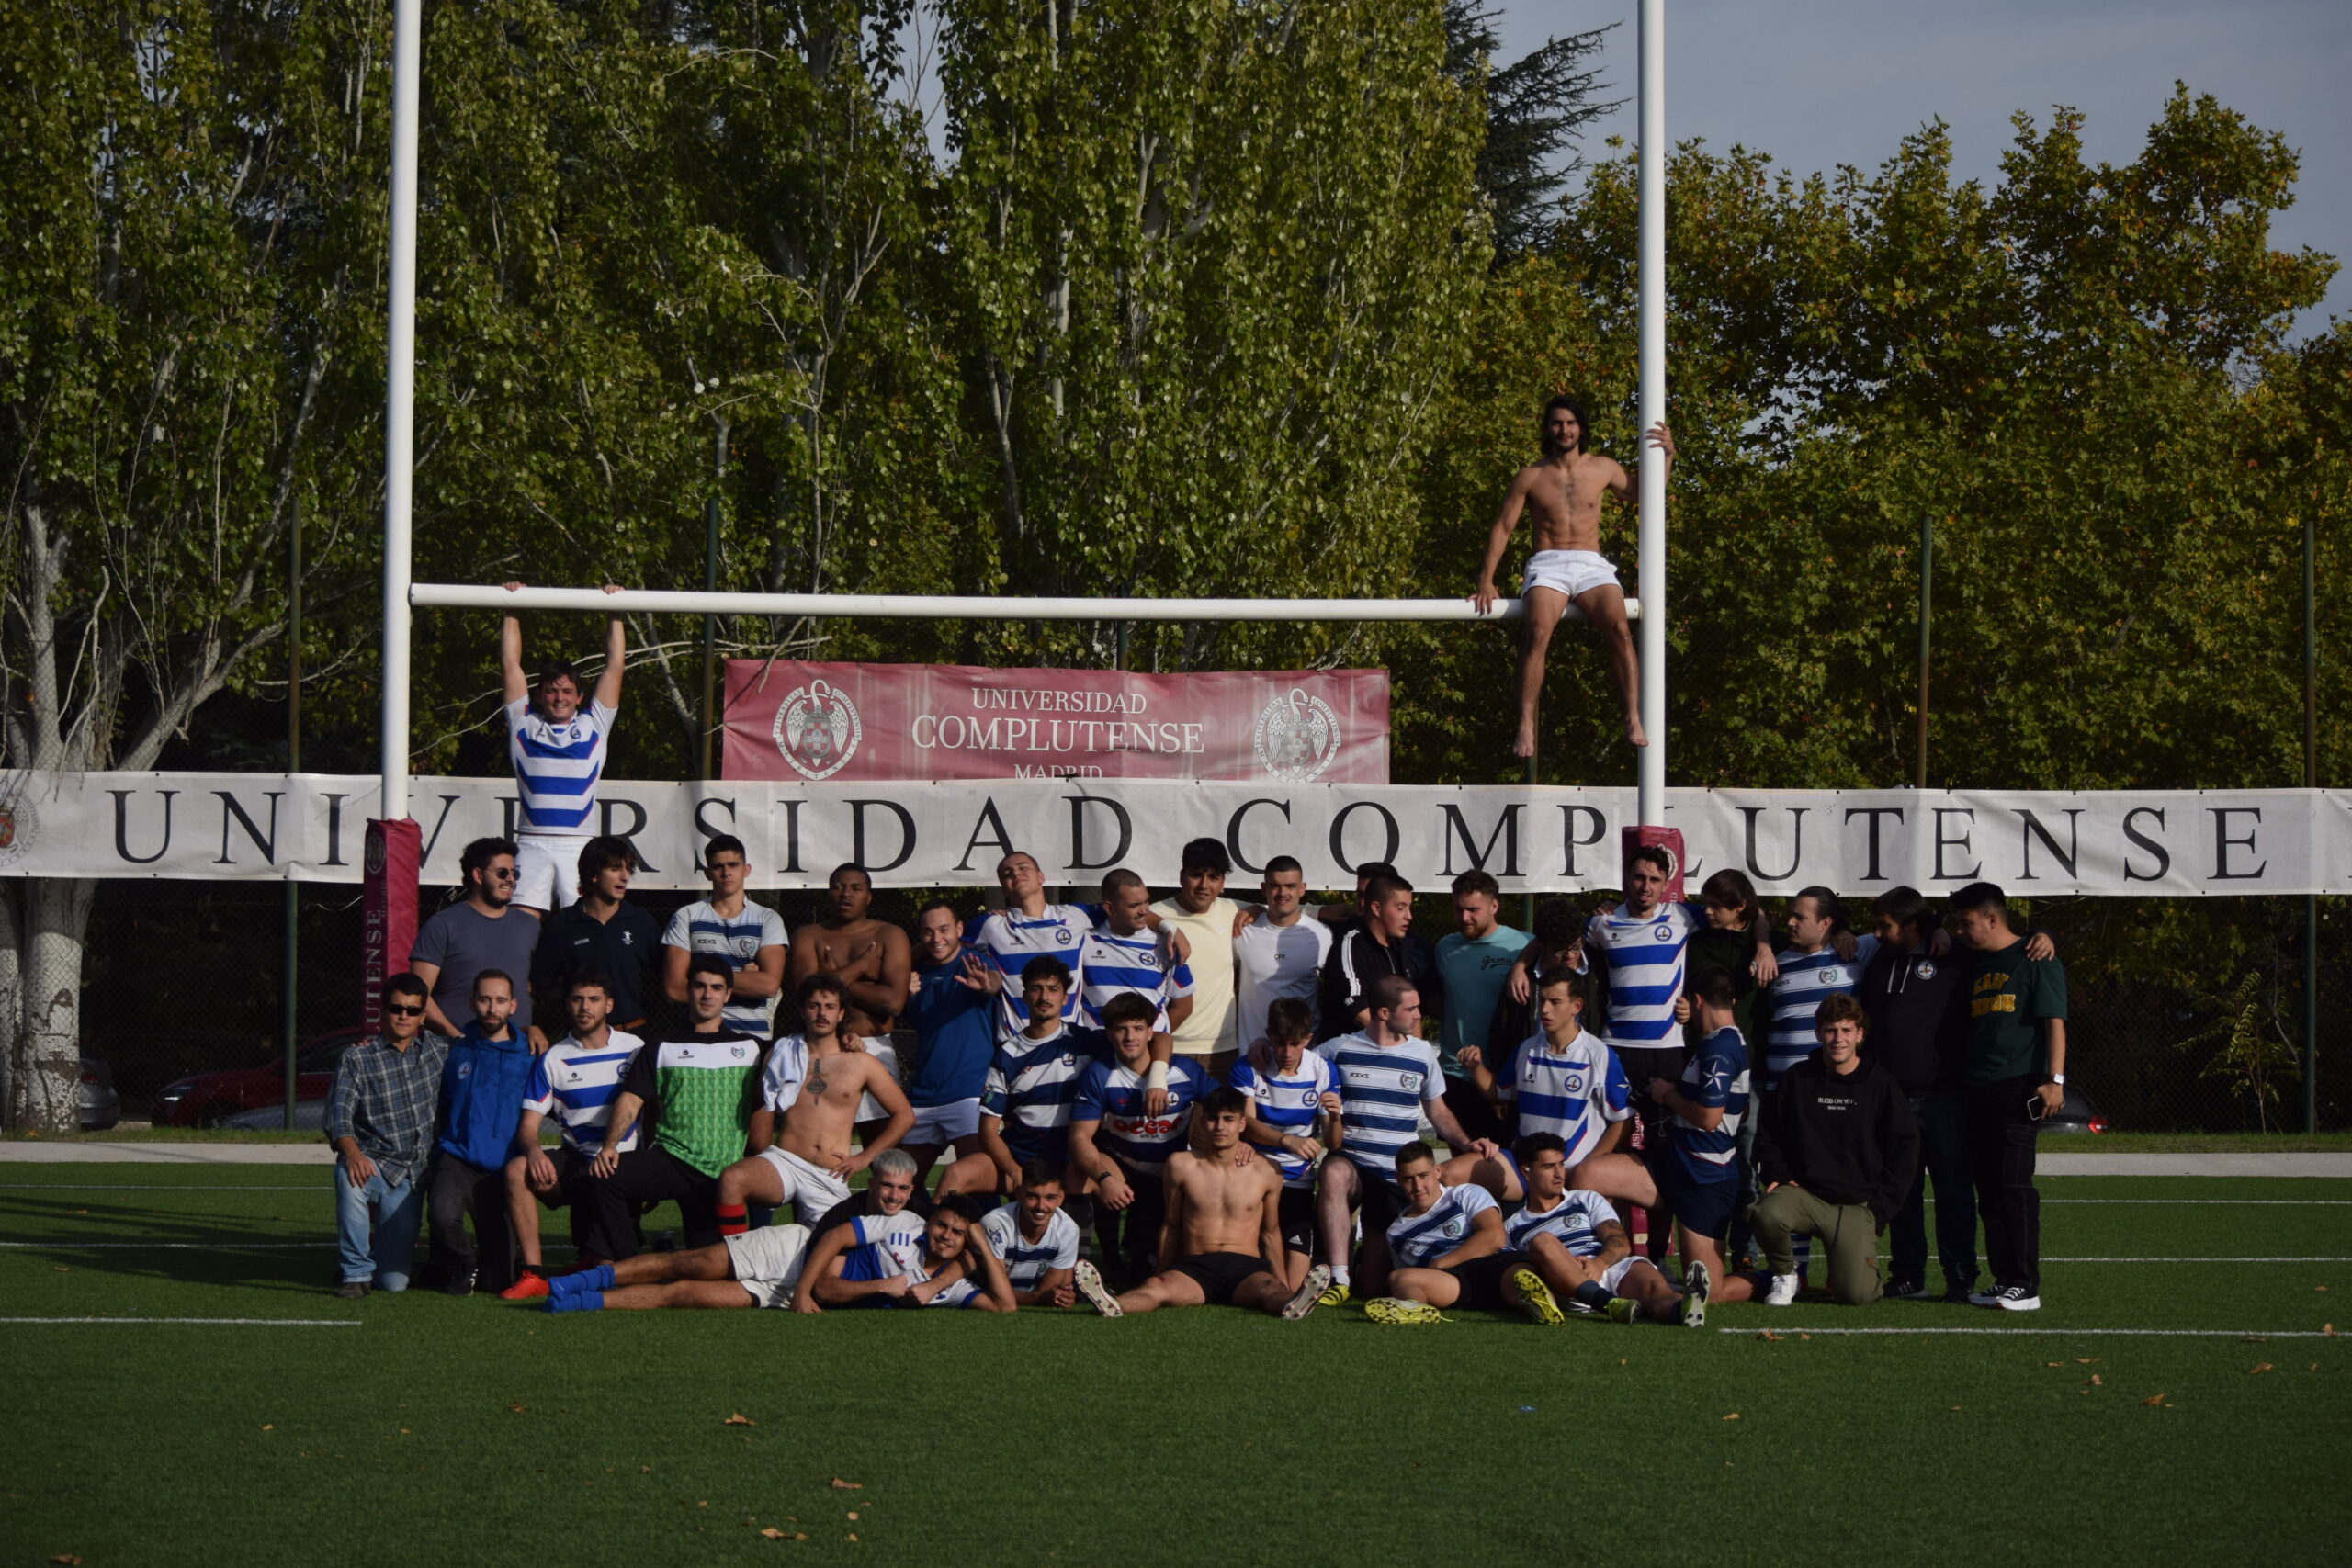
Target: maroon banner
389, 921
894, 723
1630, 839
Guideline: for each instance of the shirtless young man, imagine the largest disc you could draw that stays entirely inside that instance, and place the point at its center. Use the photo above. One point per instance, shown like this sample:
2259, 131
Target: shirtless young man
814, 1080
871, 959
1221, 1242
1565, 492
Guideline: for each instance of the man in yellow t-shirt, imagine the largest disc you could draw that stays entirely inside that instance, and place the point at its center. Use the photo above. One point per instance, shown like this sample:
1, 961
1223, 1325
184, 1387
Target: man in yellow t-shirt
1206, 916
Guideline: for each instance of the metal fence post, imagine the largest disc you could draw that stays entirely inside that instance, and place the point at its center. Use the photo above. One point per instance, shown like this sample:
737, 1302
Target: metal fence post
293, 765
2311, 781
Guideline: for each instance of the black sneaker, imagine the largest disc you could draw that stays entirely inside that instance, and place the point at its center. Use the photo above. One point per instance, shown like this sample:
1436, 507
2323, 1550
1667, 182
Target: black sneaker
1960, 1295
459, 1283
1908, 1291
2018, 1298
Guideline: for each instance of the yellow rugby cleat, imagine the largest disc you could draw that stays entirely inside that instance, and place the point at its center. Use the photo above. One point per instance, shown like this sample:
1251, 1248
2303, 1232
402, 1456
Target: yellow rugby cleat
1336, 1294
1536, 1298
1397, 1313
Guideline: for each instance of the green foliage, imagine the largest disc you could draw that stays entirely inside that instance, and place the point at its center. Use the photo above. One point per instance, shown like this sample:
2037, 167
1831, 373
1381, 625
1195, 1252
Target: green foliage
2244, 1047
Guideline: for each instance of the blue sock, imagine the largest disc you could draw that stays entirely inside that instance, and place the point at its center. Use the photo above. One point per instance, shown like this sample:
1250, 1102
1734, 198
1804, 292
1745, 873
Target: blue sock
1593, 1296
600, 1278
577, 1301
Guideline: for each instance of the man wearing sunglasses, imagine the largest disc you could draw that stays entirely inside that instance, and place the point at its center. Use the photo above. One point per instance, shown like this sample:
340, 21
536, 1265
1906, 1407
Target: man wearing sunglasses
381, 1117
484, 930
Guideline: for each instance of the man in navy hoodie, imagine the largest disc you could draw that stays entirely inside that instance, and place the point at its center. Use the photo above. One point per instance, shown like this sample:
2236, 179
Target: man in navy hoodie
481, 1101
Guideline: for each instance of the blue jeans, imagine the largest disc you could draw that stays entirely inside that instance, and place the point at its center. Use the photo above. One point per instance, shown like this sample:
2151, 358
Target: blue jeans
375, 1228
1944, 1165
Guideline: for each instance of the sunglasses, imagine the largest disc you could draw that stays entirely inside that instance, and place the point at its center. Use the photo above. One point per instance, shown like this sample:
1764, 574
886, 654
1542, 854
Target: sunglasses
402, 1009
503, 872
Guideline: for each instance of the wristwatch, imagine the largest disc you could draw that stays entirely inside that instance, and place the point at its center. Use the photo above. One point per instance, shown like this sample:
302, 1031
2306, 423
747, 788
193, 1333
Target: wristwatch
2058, 1079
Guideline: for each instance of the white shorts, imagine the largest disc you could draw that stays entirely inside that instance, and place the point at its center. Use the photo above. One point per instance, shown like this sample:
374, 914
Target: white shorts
1610, 1279
767, 1262
1570, 571
939, 1124
878, 1046
546, 869
809, 1190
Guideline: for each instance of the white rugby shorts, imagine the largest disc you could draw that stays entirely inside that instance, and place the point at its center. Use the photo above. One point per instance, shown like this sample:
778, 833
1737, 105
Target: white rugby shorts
937, 1125
1570, 571
869, 1109
810, 1190
767, 1262
546, 869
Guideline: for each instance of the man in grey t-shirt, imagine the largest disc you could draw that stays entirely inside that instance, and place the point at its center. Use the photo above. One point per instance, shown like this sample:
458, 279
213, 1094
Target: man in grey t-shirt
485, 932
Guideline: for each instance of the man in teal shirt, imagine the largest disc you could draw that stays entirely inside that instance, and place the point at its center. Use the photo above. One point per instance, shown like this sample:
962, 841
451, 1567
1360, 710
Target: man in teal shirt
1475, 962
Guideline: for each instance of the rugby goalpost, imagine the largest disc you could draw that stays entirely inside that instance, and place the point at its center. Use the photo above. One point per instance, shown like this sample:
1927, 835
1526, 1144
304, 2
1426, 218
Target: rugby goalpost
402, 595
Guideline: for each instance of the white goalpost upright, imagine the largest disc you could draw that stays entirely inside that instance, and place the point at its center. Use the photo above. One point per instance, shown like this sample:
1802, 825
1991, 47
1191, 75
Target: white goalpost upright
402, 594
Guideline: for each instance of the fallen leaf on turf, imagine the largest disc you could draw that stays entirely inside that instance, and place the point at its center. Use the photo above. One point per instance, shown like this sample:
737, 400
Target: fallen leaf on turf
2154, 1399
2097, 1382
2328, 1329
86, 1211
67, 1557
2260, 1367
1804, 1336
1768, 1334
2053, 1363
518, 1409
852, 1536
852, 1516
63, 1269
704, 1504
773, 1533
2319, 1288
840, 1486
1733, 1416
2085, 1361
405, 1431
645, 1470
270, 1426
738, 1419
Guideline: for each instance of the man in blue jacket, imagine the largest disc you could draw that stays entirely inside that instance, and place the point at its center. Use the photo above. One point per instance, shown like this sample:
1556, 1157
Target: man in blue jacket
482, 1100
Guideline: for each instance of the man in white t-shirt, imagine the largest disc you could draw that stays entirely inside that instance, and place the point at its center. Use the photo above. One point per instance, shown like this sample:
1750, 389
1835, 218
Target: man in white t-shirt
558, 750
1278, 950
749, 937
1201, 910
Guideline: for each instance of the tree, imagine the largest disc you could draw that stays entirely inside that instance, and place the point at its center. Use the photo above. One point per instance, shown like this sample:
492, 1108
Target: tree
1536, 108
186, 319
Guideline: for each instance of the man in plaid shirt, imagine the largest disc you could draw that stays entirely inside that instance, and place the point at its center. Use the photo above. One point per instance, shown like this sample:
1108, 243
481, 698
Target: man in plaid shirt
381, 1115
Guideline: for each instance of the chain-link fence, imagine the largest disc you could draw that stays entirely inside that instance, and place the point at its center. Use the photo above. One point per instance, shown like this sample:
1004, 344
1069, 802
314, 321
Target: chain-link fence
184, 979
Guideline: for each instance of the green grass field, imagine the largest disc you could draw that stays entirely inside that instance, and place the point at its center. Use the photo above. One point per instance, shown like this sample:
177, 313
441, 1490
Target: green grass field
415, 1428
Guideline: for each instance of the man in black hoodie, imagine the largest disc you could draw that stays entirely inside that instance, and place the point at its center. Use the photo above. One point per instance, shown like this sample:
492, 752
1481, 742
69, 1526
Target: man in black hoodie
1838, 1148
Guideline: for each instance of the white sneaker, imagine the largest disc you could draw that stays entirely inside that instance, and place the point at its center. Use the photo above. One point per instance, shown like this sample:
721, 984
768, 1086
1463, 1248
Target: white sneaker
1783, 1292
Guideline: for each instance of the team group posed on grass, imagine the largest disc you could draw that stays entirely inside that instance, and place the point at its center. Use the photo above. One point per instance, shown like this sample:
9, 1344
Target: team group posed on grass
1234, 1098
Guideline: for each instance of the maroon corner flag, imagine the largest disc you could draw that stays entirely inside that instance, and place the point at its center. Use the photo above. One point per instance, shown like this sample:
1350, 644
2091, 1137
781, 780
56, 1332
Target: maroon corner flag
394, 849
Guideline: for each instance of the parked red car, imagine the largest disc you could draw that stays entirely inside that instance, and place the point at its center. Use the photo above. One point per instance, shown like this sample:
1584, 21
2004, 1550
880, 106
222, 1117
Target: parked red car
208, 1099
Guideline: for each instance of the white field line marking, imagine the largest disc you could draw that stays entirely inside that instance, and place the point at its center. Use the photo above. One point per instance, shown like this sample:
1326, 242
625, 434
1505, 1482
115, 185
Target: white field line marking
2168, 1202
256, 1321
1783, 1331
169, 1245
2198, 1260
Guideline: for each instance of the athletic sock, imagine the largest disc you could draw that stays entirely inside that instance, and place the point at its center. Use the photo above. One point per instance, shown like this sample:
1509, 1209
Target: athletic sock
577, 1301
1339, 1273
600, 1278
1591, 1294
731, 1220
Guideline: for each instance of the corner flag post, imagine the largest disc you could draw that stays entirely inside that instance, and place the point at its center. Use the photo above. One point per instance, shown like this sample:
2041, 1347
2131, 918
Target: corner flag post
1651, 554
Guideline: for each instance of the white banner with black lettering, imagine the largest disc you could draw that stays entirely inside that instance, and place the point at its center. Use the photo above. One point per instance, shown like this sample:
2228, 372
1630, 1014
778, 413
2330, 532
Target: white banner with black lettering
270, 825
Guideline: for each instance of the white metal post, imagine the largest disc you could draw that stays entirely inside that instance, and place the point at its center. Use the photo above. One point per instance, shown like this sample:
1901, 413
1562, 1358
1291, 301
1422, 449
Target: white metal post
400, 396
1651, 555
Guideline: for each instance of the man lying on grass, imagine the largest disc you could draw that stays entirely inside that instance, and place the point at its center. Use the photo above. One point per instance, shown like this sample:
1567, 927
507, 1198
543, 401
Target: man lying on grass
900, 1259
758, 1267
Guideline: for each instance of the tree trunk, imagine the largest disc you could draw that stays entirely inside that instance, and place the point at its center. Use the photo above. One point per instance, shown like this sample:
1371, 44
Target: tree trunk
45, 1082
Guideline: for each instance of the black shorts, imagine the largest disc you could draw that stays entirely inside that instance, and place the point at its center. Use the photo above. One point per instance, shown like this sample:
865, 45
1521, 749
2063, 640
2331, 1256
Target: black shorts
1381, 1201
1219, 1274
572, 1169
1703, 1208
1481, 1281
1297, 1216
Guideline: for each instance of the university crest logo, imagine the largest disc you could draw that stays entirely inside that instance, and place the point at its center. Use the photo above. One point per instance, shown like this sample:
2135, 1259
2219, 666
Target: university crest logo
1297, 737
817, 730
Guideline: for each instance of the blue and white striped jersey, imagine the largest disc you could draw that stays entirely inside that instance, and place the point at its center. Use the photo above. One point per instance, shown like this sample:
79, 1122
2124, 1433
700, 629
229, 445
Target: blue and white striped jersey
1806, 980
1715, 1076
1142, 963
1113, 1095
1032, 1084
576, 1087
1012, 939
1642, 960
1289, 1101
1381, 1090
1575, 1093
737, 938
1416, 1241
1025, 1261
883, 1245
1574, 1222
556, 765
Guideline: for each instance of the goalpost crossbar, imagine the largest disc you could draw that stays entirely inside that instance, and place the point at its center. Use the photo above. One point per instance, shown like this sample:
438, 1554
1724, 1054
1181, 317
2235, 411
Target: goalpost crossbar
960, 607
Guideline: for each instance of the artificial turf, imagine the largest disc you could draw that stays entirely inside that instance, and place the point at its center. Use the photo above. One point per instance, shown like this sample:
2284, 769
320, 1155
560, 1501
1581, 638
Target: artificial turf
475, 1431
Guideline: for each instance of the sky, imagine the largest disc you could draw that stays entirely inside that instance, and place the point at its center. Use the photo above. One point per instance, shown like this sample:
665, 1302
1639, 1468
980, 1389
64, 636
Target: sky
1819, 83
